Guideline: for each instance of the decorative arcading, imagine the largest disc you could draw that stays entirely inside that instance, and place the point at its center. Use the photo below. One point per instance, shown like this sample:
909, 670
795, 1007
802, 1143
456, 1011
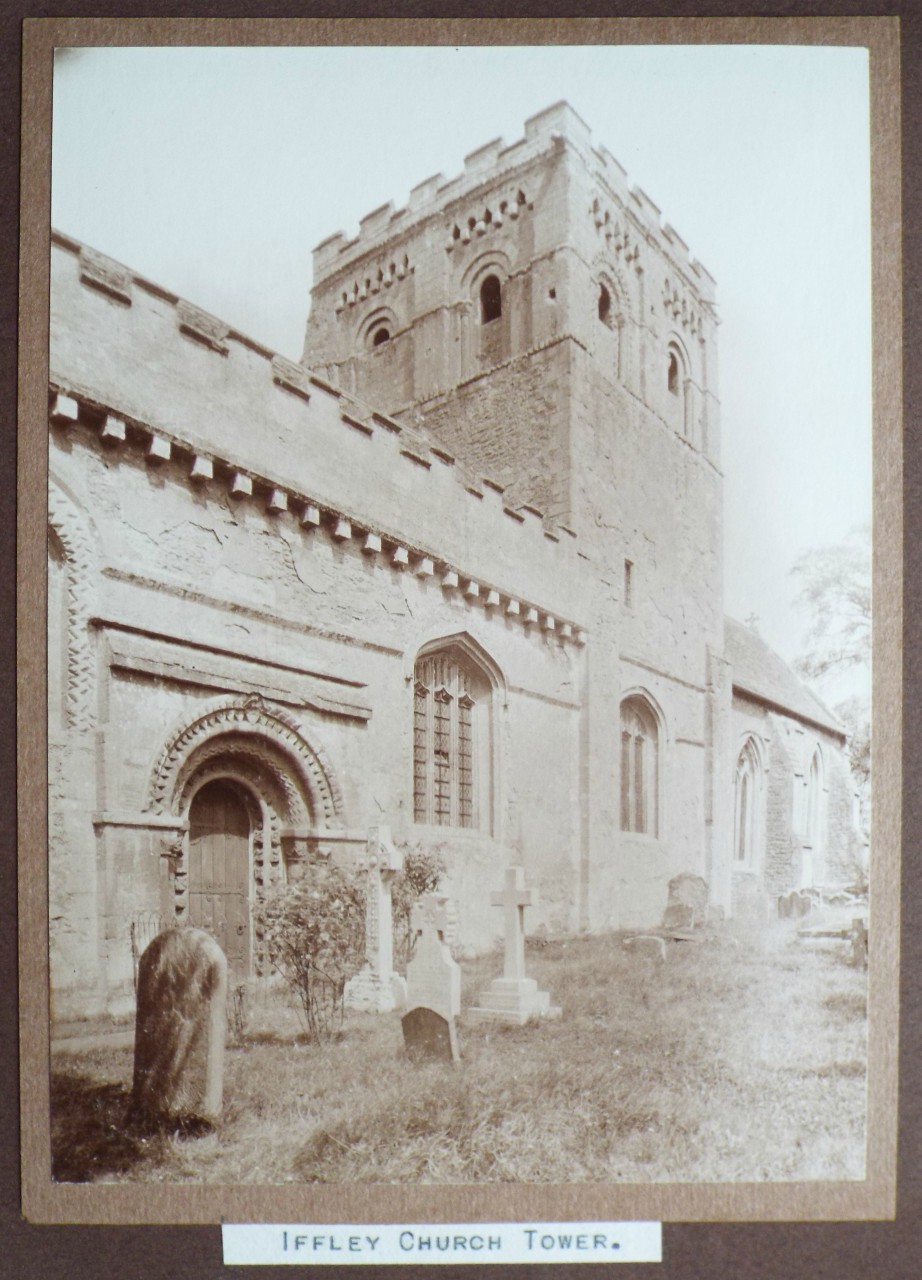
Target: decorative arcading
253, 717
80, 553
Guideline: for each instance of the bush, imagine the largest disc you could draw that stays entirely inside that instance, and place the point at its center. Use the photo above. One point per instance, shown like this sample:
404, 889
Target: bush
422, 873
314, 935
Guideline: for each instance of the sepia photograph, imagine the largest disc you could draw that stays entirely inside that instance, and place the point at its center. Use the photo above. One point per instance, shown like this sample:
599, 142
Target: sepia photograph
459, 553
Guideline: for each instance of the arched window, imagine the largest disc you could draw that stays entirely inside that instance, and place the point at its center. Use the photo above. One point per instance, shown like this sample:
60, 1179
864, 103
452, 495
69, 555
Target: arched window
451, 741
380, 336
491, 300
604, 305
639, 767
674, 373
746, 829
812, 868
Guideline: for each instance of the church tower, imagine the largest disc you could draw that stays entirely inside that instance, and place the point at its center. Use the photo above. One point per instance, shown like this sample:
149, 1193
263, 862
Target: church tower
543, 322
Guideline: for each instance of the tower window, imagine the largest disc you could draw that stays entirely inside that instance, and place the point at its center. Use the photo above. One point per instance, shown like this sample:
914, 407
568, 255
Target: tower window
381, 336
672, 375
628, 583
604, 305
491, 300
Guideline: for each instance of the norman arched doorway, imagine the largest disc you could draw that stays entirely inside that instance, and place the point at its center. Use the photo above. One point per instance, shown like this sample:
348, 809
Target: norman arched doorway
220, 870
254, 798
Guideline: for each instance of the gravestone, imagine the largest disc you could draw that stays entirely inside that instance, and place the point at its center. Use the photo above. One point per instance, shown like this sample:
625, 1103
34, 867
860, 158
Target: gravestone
646, 947
687, 903
513, 997
376, 986
180, 1029
433, 985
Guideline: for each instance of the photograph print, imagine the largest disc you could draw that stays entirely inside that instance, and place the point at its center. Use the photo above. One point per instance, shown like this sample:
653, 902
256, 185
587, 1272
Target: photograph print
459, 583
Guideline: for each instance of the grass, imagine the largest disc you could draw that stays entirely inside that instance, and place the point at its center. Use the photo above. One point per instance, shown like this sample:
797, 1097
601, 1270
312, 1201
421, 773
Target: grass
742, 1059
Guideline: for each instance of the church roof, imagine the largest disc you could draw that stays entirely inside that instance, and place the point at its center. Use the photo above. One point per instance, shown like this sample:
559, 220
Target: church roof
758, 672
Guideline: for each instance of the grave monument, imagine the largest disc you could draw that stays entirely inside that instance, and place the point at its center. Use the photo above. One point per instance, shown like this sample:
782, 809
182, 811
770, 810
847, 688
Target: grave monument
513, 997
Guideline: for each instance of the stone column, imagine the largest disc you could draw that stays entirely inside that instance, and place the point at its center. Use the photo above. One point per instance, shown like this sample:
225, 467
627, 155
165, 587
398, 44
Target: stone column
377, 987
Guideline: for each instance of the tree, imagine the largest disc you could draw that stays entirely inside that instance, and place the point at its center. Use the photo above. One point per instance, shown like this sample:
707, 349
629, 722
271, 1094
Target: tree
314, 935
836, 592
422, 873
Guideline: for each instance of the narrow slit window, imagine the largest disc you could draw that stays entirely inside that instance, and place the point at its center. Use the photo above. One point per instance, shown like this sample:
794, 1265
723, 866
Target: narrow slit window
672, 376
604, 305
628, 583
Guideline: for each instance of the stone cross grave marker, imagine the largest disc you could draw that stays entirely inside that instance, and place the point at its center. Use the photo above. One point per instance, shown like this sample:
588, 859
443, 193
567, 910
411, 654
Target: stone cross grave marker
433, 985
377, 987
180, 1029
513, 997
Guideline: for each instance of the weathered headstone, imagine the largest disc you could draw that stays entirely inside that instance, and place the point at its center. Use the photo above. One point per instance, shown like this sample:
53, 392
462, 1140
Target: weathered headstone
513, 997
377, 987
687, 903
180, 1029
433, 985
646, 947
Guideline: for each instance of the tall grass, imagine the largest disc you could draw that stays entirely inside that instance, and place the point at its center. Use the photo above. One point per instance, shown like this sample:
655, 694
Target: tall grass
740, 1059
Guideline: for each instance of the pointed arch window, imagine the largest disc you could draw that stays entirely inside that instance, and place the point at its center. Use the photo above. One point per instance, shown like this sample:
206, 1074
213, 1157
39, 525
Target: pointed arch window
748, 789
451, 741
639, 767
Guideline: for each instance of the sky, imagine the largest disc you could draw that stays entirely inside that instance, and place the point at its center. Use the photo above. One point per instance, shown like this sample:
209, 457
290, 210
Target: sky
215, 172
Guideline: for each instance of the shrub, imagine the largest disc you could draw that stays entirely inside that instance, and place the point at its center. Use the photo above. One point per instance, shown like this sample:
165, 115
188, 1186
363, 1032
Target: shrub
422, 873
314, 935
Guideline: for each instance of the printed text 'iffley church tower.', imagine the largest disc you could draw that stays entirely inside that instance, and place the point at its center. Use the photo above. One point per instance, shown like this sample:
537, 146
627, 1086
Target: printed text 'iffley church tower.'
458, 571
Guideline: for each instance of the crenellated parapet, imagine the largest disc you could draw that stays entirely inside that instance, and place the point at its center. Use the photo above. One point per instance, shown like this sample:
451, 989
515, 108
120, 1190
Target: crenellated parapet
238, 422
623, 214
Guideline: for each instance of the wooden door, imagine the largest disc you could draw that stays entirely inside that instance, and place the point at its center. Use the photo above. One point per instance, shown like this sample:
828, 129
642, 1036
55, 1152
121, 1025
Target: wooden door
219, 872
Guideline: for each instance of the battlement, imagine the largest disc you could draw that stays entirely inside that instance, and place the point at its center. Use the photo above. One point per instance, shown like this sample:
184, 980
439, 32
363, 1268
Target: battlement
556, 126
239, 419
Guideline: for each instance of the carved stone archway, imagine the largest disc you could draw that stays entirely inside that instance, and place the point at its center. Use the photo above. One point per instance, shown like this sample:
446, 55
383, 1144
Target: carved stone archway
285, 782
251, 728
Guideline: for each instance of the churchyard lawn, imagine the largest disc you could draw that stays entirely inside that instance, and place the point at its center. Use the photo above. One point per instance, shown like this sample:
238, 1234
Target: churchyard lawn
740, 1059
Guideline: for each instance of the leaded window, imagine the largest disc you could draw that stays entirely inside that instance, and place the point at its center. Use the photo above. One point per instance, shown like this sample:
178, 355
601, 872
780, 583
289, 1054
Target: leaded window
447, 694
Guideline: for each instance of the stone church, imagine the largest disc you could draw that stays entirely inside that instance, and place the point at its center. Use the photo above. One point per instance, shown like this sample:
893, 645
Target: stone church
458, 570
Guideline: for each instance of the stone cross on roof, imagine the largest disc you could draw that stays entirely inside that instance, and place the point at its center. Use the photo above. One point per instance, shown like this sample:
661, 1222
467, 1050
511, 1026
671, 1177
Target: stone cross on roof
514, 897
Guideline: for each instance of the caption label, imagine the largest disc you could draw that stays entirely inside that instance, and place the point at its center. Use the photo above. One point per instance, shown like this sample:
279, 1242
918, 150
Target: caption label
468, 1242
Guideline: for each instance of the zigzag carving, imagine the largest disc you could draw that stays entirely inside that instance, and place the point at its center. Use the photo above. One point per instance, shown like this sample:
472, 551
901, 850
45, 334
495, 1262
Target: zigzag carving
252, 718
80, 553
271, 782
